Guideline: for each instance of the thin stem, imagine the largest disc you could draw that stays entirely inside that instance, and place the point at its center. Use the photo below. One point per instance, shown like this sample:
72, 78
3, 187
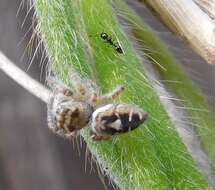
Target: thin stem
23, 79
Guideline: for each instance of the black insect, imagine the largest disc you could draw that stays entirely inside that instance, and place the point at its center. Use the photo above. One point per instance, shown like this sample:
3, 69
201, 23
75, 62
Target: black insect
109, 40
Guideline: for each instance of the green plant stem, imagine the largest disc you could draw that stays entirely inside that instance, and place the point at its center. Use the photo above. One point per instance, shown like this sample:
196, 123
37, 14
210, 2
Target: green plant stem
151, 157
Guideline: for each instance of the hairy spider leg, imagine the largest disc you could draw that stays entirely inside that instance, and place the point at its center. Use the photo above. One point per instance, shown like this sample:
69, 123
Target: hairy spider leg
98, 100
86, 88
77, 83
58, 86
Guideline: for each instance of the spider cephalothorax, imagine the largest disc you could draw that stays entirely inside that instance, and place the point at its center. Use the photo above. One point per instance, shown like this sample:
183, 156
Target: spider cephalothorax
71, 110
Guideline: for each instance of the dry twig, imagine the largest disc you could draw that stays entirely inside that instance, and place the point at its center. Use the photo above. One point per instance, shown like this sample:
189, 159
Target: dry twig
191, 22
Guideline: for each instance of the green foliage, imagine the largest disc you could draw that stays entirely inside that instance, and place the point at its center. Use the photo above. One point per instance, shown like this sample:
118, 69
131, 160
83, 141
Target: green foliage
194, 102
151, 157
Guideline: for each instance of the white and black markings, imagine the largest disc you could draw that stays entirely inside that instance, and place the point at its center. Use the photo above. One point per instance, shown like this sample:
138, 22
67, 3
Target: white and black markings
113, 119
83, 106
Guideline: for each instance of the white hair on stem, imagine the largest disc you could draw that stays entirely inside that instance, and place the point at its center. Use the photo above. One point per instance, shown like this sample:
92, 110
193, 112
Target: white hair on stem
183, 124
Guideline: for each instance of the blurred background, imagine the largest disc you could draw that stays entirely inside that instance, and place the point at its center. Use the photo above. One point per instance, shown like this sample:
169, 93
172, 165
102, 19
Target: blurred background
33, 158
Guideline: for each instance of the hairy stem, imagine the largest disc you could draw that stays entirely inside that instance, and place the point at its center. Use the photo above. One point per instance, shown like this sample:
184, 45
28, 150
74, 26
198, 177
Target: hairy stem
151, 157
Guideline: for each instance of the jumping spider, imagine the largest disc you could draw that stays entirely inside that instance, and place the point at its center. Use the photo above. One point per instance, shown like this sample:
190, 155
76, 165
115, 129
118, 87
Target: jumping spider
71, 110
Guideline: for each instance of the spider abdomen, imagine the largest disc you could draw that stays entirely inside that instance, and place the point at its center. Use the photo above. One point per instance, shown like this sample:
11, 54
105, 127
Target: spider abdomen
115, 119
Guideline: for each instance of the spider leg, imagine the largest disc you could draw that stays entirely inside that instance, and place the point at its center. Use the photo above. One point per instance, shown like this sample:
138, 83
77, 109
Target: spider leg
94, 98
58, 86
111, 95
86, 88
77, 83
96, 137
72, 134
